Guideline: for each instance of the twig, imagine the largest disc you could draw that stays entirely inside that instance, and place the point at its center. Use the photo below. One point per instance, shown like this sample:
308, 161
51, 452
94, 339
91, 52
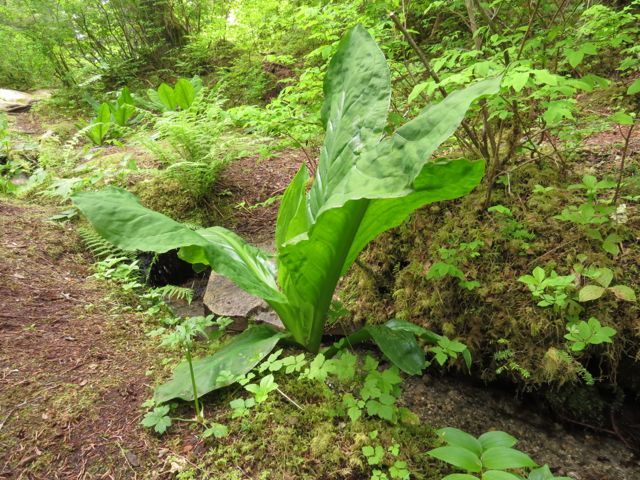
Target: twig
425, 61
287, 397
4, 422
625, 150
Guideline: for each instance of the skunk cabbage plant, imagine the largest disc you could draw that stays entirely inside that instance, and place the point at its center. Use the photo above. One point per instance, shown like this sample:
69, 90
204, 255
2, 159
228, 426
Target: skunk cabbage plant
365, 184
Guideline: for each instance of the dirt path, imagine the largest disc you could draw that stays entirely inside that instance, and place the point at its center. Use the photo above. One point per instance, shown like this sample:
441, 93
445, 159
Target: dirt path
71, 363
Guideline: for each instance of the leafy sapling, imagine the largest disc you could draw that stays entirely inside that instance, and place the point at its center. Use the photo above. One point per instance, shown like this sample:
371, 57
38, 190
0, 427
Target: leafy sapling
451, 258
582, 334
512, 229
183, 337
262, 390
488, 456
592, 187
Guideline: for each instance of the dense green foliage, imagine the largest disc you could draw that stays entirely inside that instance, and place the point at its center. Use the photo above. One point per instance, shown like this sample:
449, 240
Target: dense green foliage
529, 110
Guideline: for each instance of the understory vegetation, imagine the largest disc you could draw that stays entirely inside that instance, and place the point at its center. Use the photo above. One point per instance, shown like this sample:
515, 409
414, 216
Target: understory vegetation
465, 205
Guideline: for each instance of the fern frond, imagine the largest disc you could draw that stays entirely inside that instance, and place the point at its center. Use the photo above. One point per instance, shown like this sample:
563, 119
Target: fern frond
175, 292
99, 246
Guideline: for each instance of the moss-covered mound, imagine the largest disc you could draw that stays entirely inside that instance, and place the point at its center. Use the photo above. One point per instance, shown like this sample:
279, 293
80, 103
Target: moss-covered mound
455, 268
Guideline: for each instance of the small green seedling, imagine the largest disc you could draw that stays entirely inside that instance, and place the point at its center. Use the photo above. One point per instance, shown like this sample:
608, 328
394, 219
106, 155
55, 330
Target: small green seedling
373, 454
581, 334
241, 406
451, 259
262, 390
216, 430
550, 290
592, 186
158, 418
449, 349
183, 337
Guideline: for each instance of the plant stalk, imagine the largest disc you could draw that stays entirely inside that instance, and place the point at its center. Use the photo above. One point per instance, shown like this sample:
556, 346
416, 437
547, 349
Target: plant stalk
625, 150
196, 403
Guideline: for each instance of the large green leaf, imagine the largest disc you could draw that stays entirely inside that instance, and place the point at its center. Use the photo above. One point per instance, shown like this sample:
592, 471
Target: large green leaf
357, 92
366, 191
292, 215
118, 216
122, 113
184, 93
397, 343
101, 125
125, 97
458, 457
400, 347
166, 95
222, 368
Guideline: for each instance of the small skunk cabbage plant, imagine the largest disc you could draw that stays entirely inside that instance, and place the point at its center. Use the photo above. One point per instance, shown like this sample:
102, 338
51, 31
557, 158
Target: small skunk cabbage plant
365, 184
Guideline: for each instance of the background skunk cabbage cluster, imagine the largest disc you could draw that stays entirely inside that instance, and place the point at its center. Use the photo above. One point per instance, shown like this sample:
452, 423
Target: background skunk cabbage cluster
365, 184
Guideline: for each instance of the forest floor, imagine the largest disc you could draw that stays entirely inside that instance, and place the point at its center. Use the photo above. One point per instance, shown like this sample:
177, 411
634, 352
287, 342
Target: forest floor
75, 365
72, 361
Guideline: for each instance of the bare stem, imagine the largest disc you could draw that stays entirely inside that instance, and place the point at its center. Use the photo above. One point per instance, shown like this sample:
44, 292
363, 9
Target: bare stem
290, 400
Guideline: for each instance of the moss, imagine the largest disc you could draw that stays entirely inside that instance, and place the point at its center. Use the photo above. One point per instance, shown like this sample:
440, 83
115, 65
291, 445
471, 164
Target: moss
277, 440
173, 198
501, 308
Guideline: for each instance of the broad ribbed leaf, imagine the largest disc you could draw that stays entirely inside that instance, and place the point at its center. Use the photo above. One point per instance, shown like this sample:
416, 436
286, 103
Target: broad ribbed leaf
125, 97
457, 438
104, 114
438, 181
458, 457
122, 113
184, 93
251, 268
400, 347
118, 216
390, 168
501, 458
166, 95
222, 368
357, 92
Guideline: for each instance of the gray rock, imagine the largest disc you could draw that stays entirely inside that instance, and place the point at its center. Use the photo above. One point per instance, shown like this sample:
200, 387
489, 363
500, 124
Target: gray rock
223, 298
15, 101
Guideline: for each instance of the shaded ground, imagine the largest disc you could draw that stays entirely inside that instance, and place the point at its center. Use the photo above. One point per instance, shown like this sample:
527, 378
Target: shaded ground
449, 402
71, 364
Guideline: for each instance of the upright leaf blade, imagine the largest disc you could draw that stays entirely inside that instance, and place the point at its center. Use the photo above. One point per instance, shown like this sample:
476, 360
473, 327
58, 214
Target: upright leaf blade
357, 93
292, 215
166, 95
184, 93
